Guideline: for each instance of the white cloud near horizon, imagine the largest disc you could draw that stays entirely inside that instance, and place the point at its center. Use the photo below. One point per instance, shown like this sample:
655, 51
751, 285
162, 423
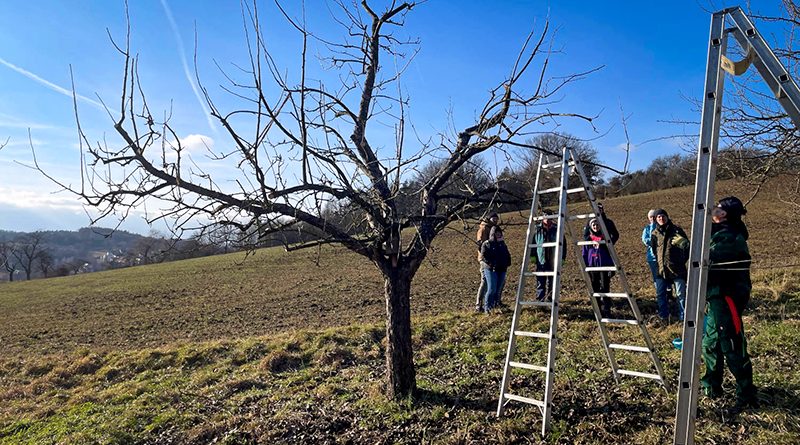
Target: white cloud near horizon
51, 85
186, 71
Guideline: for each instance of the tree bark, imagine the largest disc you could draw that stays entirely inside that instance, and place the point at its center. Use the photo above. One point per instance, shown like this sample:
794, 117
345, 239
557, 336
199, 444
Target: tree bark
400, 372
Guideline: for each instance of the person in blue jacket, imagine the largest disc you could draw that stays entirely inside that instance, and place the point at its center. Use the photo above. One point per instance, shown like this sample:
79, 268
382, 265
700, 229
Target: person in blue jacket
652, 261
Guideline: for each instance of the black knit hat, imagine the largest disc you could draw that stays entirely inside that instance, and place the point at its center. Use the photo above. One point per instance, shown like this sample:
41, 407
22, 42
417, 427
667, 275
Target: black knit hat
733, 206
660, 212
494, 231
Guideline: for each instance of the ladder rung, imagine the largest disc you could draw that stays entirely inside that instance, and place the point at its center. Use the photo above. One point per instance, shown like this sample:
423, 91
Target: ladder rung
535, 303
602, 269
558, 189
538, 403
528, 366
628, 347
544, 217
550, 273
552, 244
532, 334
582, 216
557, 164
610, 295
646, 375
589, 243
619, 321
550, 190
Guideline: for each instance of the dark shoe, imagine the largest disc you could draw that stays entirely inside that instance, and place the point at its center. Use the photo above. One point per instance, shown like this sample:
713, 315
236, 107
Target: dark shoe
740, 406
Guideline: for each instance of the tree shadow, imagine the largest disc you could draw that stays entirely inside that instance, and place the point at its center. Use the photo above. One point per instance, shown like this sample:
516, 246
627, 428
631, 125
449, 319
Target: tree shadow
429, 397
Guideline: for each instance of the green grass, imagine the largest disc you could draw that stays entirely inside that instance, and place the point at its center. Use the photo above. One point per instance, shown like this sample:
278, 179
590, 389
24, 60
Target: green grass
324, 387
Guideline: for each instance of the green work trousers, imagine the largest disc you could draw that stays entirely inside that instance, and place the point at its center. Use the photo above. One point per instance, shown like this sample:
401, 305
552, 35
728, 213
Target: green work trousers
724, 339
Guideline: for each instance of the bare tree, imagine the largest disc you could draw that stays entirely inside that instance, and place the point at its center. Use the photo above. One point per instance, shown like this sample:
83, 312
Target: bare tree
45, 262
299, 144
28, 248
7, 259
755, 125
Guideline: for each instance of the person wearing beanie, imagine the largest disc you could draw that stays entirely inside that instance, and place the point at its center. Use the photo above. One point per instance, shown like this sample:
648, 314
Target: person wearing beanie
652, 262
597, 255
612, 228
495, 258
670, 246
484, 228
727, 295
545, 231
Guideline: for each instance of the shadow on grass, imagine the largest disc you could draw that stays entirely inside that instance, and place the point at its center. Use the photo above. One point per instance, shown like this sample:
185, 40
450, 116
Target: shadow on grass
438, 398
784, 399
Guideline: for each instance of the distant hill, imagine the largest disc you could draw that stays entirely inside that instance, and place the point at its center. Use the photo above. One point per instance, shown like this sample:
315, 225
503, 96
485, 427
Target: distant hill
93, 245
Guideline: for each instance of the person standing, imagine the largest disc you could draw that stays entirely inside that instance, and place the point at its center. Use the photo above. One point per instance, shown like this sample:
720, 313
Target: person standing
597, 255
612, 228
496, 258
652, 262
483, 235
727, 295
670, 246
545, 231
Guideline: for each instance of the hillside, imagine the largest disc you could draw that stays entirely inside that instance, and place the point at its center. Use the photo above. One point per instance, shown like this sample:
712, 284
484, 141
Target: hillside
282, 347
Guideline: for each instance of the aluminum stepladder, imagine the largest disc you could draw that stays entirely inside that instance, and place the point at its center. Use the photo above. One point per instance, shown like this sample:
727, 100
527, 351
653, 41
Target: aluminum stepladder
788, 95
569, 161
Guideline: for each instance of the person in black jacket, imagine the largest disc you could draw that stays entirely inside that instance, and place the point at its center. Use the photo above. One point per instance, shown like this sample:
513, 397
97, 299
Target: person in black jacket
495, 259
612, 228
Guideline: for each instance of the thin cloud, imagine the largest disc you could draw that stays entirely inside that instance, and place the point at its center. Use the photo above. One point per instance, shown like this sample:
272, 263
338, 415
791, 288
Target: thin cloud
50, 85
186, 70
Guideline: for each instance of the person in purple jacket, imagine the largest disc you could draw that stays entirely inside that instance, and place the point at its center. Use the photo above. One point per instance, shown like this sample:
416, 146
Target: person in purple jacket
597, 255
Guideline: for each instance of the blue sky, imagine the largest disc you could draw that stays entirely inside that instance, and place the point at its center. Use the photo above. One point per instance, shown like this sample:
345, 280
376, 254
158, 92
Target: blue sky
653, 57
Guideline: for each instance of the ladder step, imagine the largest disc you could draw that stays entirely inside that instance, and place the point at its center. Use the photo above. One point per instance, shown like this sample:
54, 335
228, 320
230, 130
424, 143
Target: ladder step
589, 243
532, 334
602, 269
582, 216
646, 375
550, 273
544, 217
557, 164
628, 347
610, 295
528, 366
535, 303
528, 400
618, 321
552, 244
558, 189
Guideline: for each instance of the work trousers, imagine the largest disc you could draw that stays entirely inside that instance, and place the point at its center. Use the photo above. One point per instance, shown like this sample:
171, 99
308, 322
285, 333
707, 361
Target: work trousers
724, 339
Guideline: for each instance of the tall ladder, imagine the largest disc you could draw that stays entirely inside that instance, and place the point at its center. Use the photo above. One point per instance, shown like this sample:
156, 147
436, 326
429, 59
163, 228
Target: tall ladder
787, 93
569, 162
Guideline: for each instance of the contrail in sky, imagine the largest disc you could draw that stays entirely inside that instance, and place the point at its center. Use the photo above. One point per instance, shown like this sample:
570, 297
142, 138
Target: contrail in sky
50, 85
186, 70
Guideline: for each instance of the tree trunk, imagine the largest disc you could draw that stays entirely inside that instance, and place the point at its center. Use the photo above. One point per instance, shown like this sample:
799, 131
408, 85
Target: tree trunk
400, 373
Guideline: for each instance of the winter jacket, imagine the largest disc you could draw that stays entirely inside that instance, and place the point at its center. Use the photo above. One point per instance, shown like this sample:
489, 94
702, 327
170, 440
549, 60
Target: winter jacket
729, 245
544, 255
495, 255
648, 229
596, 256
670, 245
612, 230
483, 235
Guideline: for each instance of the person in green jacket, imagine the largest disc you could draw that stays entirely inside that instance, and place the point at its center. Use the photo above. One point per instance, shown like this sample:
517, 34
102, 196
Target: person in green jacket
726, 298
670, 245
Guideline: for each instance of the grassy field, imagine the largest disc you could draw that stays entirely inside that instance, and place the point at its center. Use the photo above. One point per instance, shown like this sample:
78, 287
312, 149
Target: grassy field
287, 348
